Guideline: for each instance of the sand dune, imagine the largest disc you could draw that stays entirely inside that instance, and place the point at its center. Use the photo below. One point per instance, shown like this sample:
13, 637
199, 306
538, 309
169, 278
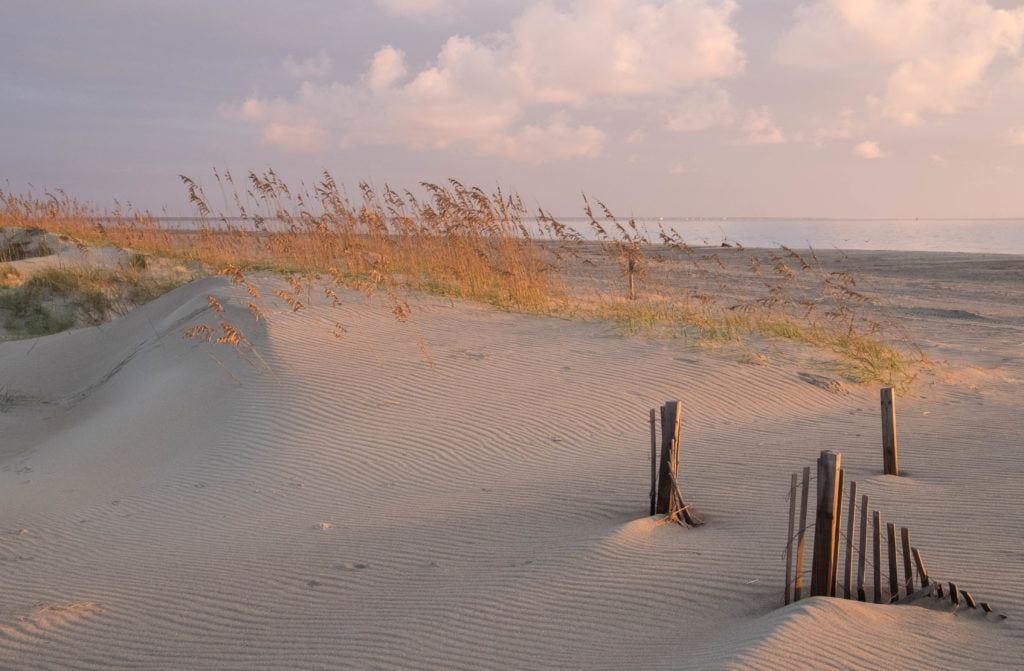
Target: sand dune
166, 505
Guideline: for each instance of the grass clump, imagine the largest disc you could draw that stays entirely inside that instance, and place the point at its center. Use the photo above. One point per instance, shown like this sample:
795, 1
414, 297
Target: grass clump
10, 398
54, 299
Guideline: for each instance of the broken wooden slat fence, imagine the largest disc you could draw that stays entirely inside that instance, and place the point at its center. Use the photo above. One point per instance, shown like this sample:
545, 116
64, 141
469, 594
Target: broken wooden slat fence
887, 586
666, 496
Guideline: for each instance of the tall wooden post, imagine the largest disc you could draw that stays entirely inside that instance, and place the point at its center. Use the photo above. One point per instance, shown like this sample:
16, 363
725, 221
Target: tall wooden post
823, 567
890, 451
863, 554
671, 414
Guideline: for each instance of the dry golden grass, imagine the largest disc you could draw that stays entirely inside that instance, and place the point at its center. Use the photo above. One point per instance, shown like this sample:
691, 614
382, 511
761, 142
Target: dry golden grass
462, 242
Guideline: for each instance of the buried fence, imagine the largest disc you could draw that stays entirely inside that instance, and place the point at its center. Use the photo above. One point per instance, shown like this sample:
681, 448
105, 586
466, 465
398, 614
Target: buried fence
666, 498
885, 551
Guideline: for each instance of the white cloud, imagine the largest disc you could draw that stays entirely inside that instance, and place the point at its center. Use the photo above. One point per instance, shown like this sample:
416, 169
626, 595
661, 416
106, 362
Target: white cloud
509, 93
701, 110
387, 68
1016, 136
759, 128
294, 137
926, 57
556, 139
844, 126
314, 67
868, 149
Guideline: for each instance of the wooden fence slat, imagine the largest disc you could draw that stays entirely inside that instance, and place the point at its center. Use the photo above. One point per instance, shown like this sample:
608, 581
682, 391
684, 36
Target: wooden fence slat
822, 567
653, 461
954, 594
985, 607
922, 572
798, 579
863, 556
671, 415
938, 590
847, 586
876, 531
969, 598
890, 451
838, 526
789, 538
908, 571
894, 579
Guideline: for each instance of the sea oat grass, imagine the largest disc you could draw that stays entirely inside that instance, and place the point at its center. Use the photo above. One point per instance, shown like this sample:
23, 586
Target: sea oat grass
461, 242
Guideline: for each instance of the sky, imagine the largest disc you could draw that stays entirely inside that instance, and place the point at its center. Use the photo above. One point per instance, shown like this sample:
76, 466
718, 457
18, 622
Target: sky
759, 108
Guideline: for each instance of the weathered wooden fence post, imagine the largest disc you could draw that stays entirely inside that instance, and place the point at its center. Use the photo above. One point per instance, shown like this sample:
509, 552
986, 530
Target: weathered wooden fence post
908, 571
789, 539
823, 567
654, 461
922, 572
798, 579
863, 555
671, 414
894, 579
835, 543
876, 531
890, 452
848, 574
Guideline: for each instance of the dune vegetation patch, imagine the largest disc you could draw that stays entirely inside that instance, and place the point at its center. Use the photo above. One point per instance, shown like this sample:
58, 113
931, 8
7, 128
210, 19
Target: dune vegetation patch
462, 242
53, 299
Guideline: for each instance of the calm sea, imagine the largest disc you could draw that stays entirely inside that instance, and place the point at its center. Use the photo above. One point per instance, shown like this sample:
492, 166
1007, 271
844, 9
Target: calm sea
997, 236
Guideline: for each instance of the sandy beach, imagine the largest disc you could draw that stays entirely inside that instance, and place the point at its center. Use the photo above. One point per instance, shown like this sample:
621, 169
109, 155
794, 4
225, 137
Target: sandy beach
468, 490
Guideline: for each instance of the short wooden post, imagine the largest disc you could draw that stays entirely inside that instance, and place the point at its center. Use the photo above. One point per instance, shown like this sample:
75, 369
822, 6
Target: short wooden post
863, 555
969, 598
954, 594
876, 530
836, 543
894, 579
890, 451
908, 571
798, 579
654, 462
823, 567
848, 574
789, 538
671, 414
922, 572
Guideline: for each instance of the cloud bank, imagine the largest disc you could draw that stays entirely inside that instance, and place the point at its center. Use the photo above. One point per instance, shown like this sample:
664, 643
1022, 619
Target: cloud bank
520, 93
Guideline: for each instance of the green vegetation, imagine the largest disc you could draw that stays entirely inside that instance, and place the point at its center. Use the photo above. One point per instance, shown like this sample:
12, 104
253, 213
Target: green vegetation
57, 298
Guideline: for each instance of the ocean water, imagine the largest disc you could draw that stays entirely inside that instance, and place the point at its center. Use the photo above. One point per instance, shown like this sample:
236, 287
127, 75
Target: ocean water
998, 236
995, 236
